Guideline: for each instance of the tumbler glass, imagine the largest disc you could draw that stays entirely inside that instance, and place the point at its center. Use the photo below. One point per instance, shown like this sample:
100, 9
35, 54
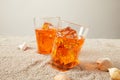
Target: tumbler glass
67, 45
45, 30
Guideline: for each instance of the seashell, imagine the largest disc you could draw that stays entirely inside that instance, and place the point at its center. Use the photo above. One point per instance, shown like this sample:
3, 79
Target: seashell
104, 63
23, 46
61, 77
114, 73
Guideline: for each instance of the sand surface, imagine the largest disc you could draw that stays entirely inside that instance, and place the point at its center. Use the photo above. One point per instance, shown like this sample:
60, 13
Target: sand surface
28, 65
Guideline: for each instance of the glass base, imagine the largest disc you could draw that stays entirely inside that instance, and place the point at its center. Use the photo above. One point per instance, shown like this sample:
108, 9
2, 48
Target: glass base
62, 67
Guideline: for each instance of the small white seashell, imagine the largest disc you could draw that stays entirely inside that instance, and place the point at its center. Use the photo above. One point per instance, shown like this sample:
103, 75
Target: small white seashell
104, 64
114, 73
23, 46
100, 60
61, 77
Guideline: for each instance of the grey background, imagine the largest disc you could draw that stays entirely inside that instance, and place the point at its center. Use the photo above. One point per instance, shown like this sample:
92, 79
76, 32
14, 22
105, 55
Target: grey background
102, 16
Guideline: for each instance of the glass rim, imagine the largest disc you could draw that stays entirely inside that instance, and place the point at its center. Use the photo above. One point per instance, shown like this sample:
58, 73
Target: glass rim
85, 26
37, 18
83, 30
47, 17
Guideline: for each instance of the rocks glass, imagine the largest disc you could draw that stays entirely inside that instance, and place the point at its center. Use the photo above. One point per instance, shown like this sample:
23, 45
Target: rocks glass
45, 30
67, 45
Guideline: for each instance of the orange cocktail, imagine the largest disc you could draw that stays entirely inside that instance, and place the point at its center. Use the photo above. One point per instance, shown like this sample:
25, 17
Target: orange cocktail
66, 48
45, 30
45, 38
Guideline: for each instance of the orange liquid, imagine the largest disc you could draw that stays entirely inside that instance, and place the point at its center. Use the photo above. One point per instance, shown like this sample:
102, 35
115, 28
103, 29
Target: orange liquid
65, 52
45, 38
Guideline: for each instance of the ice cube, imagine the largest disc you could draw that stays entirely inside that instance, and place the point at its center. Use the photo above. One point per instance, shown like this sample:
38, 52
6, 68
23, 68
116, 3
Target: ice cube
68, 32
46, 25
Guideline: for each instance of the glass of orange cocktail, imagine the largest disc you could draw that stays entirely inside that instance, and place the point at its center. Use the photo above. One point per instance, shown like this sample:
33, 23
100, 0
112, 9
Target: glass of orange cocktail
45, 30
67, 45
